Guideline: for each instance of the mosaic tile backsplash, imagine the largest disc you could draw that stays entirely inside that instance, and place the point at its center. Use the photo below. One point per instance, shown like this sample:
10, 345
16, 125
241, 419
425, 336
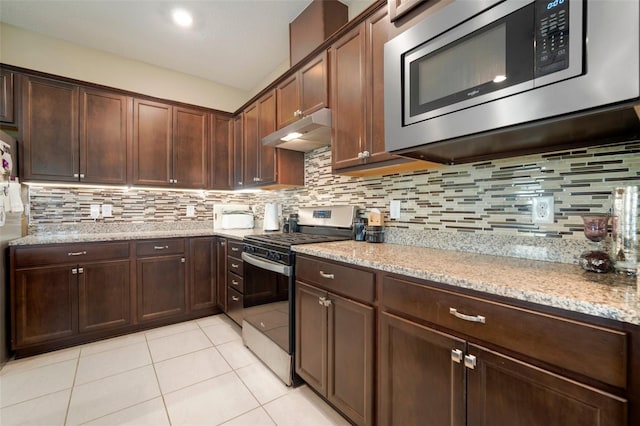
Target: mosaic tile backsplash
489, 200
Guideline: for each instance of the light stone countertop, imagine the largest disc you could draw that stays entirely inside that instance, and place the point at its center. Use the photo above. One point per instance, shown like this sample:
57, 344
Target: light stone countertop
558, 285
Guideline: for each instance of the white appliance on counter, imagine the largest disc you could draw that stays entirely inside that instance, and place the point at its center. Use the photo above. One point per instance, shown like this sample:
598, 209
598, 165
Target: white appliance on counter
232, 216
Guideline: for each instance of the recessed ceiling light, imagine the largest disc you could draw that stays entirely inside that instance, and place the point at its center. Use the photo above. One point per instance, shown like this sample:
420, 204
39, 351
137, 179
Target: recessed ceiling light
182, 18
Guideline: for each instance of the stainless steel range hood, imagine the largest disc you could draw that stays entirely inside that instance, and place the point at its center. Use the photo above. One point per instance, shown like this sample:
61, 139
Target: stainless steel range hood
306, 134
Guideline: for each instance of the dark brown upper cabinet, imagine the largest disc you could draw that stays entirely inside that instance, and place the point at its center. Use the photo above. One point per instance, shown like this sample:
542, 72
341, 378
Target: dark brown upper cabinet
170, 145
303, 92
73, 134
7, 106
221, 149
238, 151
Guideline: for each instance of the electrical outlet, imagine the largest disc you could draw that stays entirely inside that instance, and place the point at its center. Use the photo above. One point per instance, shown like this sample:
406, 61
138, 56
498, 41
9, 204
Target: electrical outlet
542, 210
191, 211
106, 210
95, 211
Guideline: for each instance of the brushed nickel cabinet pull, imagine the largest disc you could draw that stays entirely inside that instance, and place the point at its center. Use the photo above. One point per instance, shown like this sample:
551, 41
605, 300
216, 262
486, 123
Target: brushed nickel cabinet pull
472, 318
235, 298
321, 300
234, 282
456, 355
76, 253
327, 276
234, 249
160, 247
235, 265
470, 361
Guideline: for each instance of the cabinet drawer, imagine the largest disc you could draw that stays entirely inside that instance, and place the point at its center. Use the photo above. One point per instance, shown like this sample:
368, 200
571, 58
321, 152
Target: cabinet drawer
586, 349
234, 265
235, 282
160, 247
235, 303
69, 253
235, 249
342, 279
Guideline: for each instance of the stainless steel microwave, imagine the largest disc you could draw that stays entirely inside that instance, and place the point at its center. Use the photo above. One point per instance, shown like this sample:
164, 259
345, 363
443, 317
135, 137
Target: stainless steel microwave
485, 66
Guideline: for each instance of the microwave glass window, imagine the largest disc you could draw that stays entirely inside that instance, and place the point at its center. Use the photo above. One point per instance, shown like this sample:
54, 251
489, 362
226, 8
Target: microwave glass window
471, 63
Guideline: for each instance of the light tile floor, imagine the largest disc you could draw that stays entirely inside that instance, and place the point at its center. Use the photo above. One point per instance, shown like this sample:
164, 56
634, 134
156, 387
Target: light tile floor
192, 373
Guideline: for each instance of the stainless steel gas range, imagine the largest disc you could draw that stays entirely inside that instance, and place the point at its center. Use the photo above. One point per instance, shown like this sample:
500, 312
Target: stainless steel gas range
268, 328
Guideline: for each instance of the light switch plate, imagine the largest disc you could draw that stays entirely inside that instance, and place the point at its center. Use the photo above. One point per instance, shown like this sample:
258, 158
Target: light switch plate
394, 210
106, 210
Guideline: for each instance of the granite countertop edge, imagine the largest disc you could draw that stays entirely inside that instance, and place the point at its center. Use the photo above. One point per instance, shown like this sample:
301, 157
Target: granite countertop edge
609, 296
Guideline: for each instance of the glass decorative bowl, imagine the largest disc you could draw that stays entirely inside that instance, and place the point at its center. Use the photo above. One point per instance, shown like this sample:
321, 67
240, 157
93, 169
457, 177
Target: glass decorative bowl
596, 226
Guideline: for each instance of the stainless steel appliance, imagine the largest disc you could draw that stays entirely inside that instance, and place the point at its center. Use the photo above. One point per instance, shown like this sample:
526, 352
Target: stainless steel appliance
269, 274
490, 78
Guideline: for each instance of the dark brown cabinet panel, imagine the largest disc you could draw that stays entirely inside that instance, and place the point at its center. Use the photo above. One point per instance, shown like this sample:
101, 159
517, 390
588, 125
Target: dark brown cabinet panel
161, 290
104, 135
234, 267
311, 337
251, 150
152, 139
348, 98
104, 295
221, 273
190, 148
303, 92
202, 273
335, 338
45, 305
49, 130
238, 152
502, 391
222, 150
235, 305
266, 126
7, 105
418, 381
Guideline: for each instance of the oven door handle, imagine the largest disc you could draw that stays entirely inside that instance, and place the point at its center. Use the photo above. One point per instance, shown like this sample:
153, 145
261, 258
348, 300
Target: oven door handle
267, 264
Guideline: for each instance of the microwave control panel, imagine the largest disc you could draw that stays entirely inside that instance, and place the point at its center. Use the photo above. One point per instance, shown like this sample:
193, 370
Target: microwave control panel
552, 36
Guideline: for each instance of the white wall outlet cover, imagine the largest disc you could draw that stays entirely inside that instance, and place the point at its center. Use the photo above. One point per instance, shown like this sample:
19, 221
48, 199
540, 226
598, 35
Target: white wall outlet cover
542, 210
191, 211
394, 210
95, 211
106, 210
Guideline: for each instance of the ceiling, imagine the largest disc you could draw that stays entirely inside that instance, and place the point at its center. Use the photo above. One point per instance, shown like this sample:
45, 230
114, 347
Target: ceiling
236, 43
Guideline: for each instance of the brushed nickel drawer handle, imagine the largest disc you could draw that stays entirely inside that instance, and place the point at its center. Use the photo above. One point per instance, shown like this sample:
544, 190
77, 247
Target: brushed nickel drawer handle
76, 253
327, 276
234, 282
456, 355
234, 249
235, 265
235, 298
160, 247
472, 318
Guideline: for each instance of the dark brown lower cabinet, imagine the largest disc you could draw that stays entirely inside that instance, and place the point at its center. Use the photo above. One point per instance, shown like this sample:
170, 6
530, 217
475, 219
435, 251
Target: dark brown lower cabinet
423, 374
45, 305
221, 273
103, 295
161, 287
334, 350
202, 273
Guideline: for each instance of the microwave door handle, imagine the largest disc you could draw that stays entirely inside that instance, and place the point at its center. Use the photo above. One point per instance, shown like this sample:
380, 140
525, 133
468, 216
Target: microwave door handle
267, 264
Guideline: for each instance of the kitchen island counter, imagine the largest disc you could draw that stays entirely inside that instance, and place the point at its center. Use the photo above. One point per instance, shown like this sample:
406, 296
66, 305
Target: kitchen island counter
558, 285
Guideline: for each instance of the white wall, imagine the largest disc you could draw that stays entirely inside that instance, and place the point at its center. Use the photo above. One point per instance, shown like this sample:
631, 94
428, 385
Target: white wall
30, 50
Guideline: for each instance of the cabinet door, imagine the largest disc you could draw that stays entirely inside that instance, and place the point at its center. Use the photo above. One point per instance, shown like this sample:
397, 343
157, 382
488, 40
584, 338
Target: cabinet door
152, 137
222, 146
348, 98
313, 84
103, 295
311, 337
221, 274
7, 109
505, 391
45, 304
251, 147
161, 287
49, 130
288, 99
350, 358
190, 148
267, 125
238, 152
104, 119
202, 273
379, 30
418, 381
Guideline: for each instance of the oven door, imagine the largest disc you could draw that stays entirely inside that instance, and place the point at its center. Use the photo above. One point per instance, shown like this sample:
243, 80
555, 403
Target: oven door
268, 306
